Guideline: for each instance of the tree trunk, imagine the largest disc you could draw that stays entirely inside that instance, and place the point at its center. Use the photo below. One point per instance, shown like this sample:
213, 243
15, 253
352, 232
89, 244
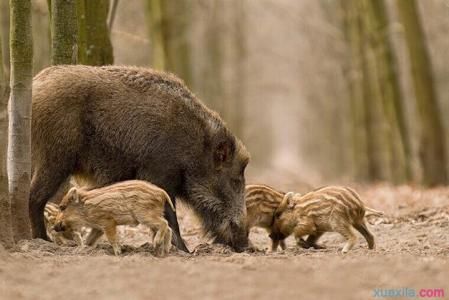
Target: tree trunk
238, 100
154, 21
6, 237
111, 16
384, 69
432, 141
175, 28
95, 46
4, 33
19, 147
63, 32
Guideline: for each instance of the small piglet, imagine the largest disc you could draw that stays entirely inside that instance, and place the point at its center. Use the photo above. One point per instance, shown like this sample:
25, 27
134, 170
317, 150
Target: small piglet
261, 204
125, 203
51, 213
328, 209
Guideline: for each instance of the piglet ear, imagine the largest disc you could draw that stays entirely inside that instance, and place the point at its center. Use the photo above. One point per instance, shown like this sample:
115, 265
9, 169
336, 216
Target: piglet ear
74, 196
222, 154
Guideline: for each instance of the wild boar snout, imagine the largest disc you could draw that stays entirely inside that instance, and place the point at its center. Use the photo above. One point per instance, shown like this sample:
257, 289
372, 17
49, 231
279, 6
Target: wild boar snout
59, 227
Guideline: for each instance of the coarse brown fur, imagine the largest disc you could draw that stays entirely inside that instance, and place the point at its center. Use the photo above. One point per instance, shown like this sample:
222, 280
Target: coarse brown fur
129, 202
110, 124
328, 209
261, 204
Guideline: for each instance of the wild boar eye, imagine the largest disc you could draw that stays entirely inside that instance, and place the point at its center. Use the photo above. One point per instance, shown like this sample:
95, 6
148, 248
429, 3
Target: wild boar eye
62, 207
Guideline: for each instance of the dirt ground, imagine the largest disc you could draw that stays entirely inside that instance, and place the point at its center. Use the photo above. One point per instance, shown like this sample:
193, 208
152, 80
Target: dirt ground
412, 252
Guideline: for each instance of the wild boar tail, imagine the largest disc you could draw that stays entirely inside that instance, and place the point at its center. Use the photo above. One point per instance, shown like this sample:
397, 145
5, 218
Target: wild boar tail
372, 212
168, 199
284, 203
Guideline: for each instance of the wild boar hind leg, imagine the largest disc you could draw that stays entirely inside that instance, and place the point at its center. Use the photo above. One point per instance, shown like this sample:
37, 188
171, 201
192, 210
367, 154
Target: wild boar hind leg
45, 183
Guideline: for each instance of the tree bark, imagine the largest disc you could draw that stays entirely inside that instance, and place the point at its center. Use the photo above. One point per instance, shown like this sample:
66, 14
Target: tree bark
6, 237
19, 147
432, 141
63, 32
95, 46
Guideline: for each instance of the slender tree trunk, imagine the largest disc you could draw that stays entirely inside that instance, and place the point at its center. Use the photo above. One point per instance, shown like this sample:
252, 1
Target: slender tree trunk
212, 81
175, 28
4, 33
95, 46
19, 147
6, 237
63, 32
238, 101
432, 141
111, 15
354, 79
154, 21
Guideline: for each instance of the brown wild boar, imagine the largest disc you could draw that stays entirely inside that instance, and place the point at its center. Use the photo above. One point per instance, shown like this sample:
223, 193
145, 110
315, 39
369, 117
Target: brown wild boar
61, 238
261, 204
115, 123
130, 202
328, 209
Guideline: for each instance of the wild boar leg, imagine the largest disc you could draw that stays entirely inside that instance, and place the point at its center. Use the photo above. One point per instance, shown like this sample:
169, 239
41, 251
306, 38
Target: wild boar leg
44, 184
274, 245
305, 227
313, 238
350, 236
171, 217
93, 236
282, 243
111, 233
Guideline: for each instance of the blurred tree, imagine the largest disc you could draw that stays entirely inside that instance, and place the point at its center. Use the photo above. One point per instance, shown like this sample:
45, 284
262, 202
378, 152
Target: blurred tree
19, 139
432, 140
6, 237
112, 12
354, 78
94, 44
4, 34
236, 114
383, 66
175, 27
154, 21
371, 157
212, 81
169, 24
63, 32
376, 101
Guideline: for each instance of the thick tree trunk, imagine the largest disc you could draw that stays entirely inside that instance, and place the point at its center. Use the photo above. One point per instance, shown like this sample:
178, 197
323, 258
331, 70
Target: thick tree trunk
6, 237
154, 21
384, 69
95, 46
432, 141
63, 32
19, 147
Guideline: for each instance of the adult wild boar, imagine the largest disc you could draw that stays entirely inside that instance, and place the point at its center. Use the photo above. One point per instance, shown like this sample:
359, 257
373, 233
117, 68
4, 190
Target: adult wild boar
109, 124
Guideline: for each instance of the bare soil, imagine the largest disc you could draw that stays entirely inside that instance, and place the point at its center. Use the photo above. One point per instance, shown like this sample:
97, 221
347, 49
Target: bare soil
412, 252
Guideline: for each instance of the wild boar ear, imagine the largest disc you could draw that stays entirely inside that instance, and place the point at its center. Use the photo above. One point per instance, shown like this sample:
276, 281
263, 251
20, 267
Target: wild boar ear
222, 154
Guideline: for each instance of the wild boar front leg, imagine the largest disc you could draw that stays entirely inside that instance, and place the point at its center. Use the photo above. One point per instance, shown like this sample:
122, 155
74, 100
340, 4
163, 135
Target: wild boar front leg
274, 245
111, 234
93, 236
306, 227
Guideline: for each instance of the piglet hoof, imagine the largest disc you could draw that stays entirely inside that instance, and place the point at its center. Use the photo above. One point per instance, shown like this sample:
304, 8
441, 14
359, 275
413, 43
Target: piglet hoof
303, 244
318, 247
